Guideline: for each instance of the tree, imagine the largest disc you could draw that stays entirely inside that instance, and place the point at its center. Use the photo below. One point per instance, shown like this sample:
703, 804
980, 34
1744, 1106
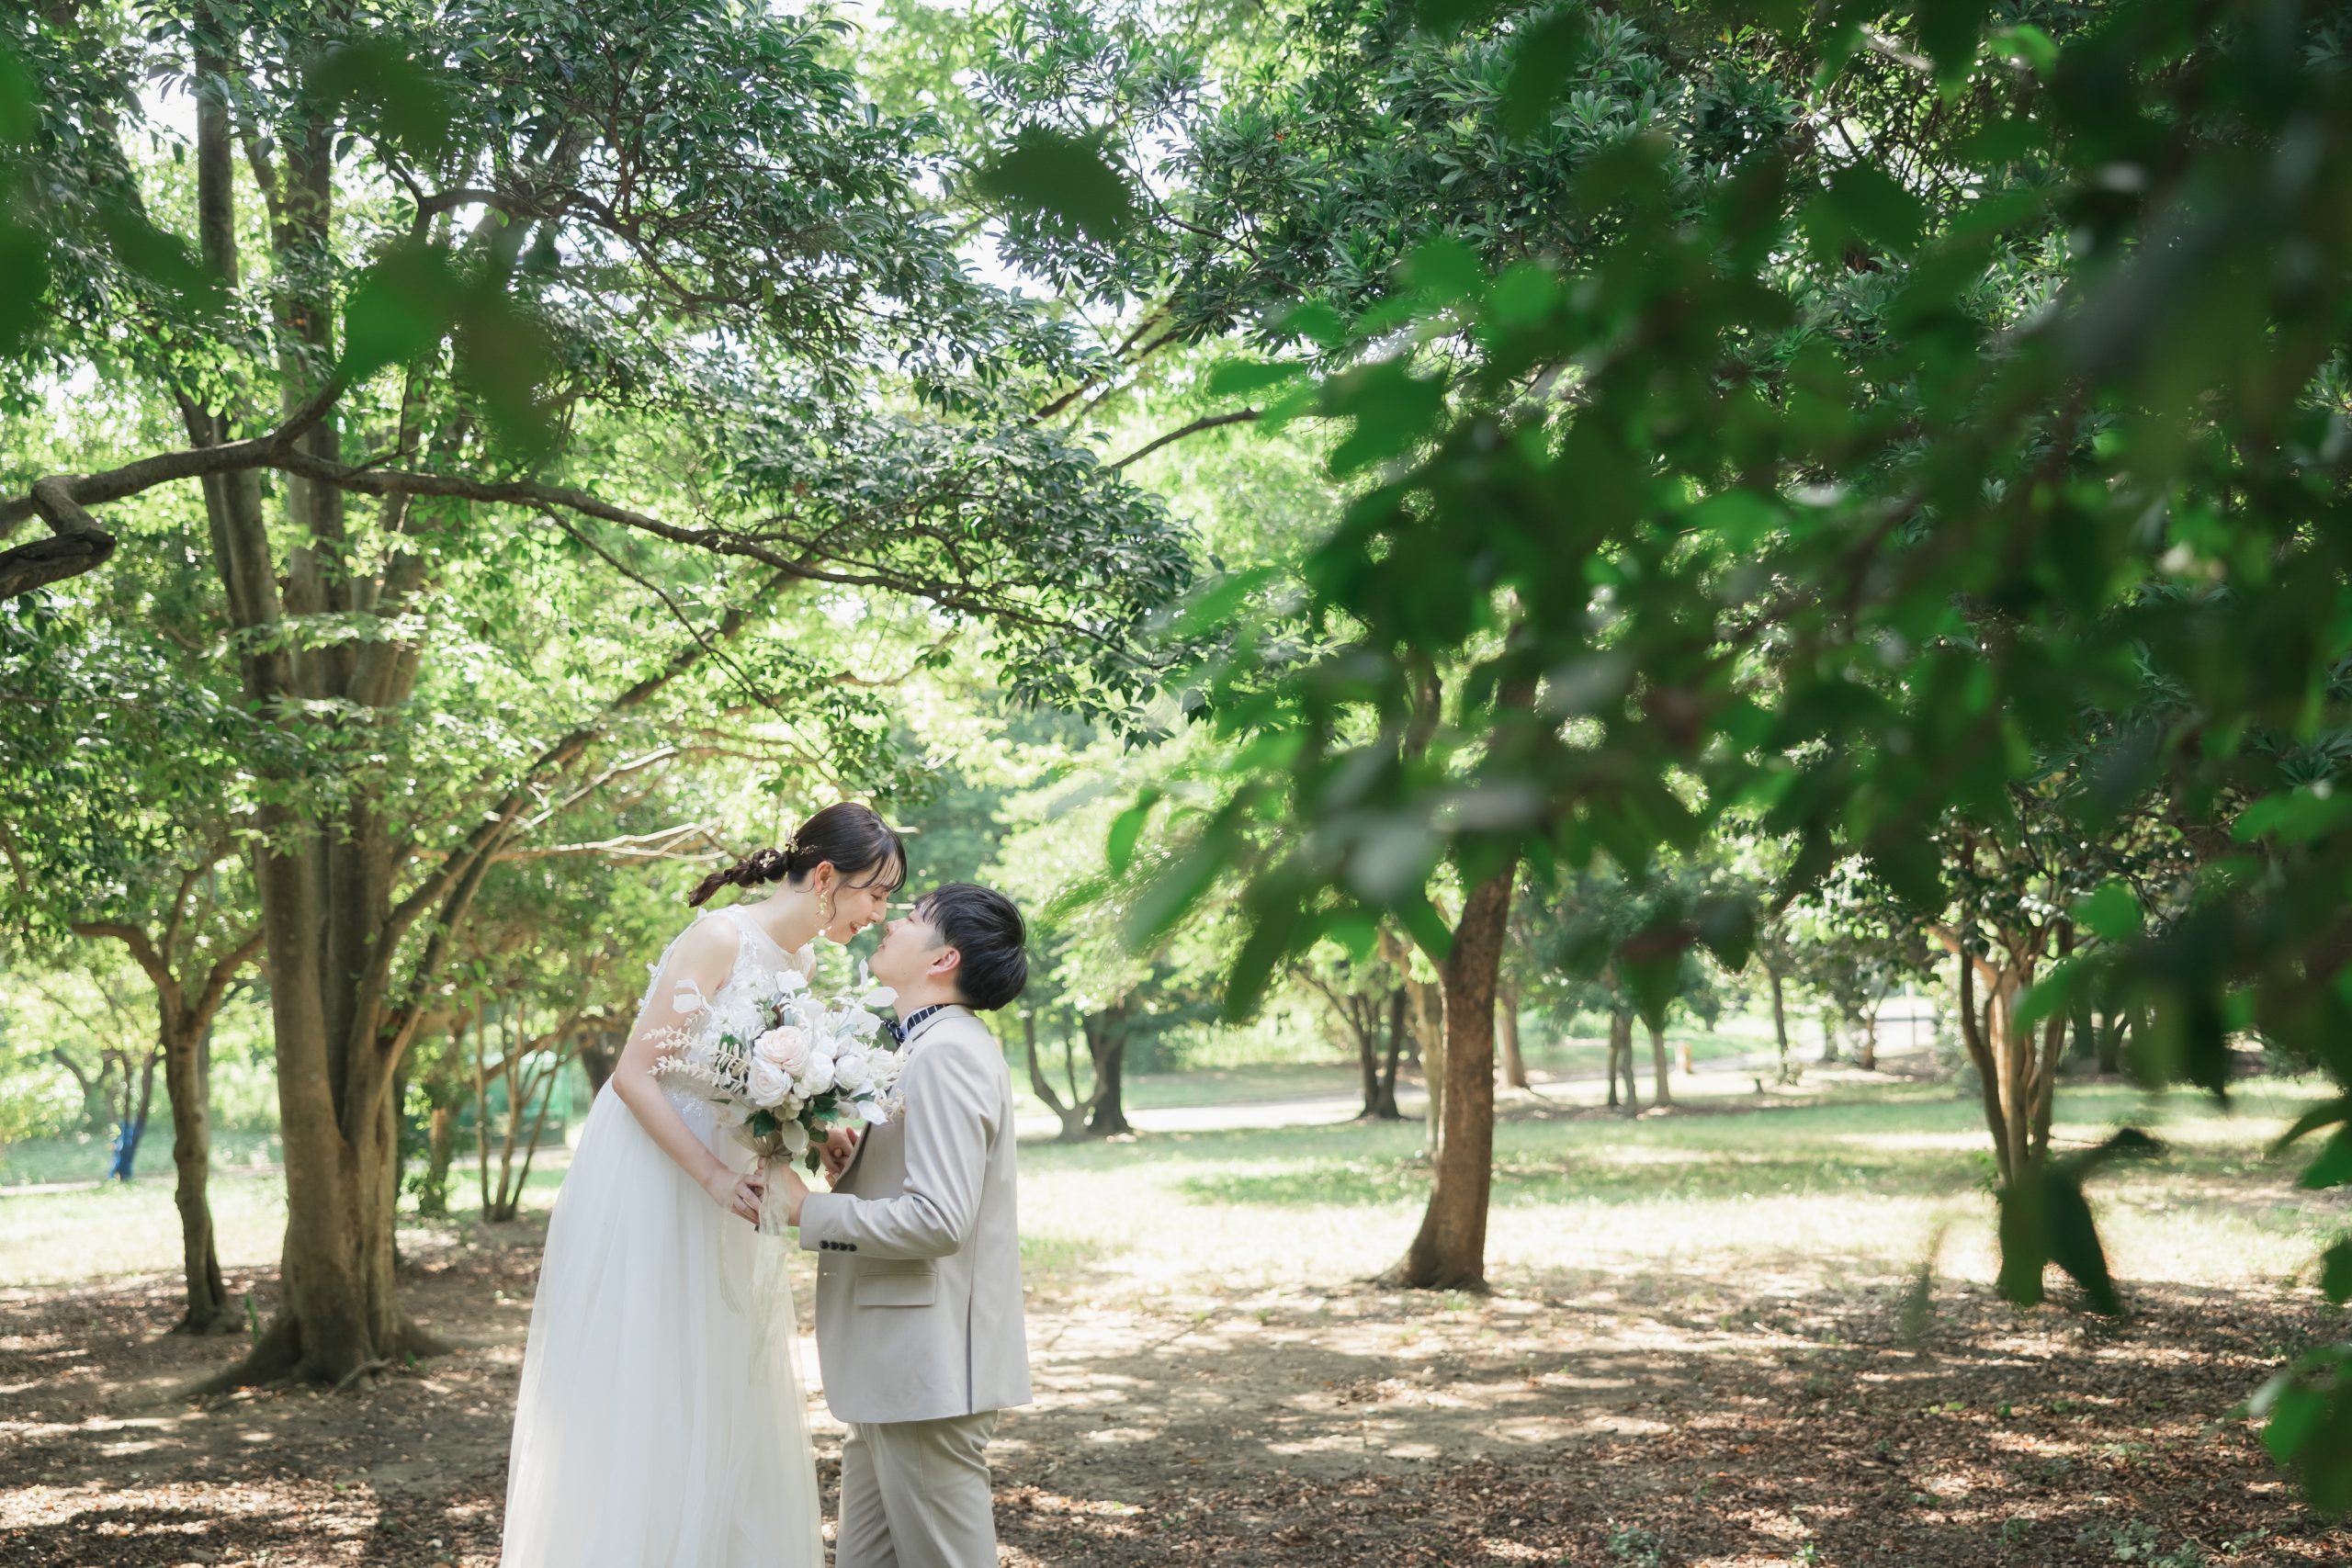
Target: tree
1078, 1113
1857, 943
453, 272
1838, 402
126, 817
1368, 999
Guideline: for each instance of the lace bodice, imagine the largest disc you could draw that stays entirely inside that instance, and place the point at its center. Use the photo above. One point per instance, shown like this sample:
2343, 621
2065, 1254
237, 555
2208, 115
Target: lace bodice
758, 961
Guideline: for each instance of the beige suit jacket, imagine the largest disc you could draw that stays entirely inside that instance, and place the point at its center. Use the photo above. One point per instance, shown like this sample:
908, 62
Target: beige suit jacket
919, 1278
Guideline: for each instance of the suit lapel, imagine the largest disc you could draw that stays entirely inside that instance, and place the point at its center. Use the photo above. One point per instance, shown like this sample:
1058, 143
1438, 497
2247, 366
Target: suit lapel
922, 1030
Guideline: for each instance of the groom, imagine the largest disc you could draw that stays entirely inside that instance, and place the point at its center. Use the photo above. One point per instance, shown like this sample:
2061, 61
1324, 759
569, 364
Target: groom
919, 1289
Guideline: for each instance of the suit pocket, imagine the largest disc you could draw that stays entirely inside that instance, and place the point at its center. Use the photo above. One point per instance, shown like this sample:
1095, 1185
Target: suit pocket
890, 1283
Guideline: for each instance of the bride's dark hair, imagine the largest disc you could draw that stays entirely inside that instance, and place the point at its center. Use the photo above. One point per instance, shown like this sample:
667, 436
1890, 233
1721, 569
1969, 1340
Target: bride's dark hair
858, 842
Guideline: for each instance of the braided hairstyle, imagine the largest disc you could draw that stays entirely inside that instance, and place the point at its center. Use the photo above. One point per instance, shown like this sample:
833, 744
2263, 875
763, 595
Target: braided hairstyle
858, 842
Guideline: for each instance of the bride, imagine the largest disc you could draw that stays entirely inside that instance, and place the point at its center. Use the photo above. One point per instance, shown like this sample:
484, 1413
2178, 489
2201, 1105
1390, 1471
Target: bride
655, 1426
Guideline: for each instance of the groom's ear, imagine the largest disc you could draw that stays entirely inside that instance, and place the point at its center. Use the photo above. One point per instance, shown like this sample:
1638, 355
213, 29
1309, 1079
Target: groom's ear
947, 960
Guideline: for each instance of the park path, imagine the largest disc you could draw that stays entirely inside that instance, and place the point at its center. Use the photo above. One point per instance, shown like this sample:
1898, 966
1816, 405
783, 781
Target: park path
1320, 1108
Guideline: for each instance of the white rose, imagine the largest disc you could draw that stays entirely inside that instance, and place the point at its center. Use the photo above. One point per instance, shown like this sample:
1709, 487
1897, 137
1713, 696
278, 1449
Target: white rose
852, 1073
737, 1020
786, 1046
766, 1084
818, 1078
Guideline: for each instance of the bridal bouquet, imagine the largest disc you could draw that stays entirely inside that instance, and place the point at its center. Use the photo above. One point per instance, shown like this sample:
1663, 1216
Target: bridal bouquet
787, 1066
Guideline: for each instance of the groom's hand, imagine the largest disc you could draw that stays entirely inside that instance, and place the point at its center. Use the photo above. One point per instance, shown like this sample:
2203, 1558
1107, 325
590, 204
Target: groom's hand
738, 1194
839, 1144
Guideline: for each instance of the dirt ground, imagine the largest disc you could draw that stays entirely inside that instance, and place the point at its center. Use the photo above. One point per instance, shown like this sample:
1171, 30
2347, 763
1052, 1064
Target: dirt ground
1710, 1422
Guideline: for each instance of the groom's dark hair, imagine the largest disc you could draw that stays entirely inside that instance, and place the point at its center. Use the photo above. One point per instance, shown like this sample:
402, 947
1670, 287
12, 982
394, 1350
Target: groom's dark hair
989, 937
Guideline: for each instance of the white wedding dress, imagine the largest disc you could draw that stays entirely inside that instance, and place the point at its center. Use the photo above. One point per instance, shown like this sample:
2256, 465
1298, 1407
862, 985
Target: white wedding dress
660, 1422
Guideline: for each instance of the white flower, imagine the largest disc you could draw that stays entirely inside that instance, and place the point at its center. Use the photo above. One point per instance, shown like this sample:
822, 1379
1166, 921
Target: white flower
795, 1138
792, 982
737, 1020
686, 998
786, 1046
853, 1072
879, 997
875, 1111
818, 1078
766, 1084
860, 1022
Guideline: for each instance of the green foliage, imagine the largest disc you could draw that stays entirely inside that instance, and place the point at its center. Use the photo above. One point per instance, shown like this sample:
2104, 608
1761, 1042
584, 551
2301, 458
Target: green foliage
1915, 445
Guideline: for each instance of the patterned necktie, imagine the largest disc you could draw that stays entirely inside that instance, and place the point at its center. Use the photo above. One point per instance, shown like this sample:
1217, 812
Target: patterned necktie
900, 1028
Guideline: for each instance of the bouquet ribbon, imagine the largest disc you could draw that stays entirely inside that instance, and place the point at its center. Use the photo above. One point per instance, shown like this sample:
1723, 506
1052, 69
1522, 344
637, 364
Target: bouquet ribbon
776, 1327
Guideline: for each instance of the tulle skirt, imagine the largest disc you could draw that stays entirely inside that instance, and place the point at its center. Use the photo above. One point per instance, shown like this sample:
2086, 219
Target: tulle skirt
660, 1422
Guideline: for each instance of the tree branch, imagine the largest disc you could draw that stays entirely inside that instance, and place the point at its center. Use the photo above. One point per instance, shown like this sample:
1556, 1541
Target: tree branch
1206, 422
142, 953
76, 544
657, 845
224, 973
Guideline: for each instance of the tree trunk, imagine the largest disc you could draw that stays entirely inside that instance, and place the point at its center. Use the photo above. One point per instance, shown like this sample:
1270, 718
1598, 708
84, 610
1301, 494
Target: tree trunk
135, 1113
440, 1143
188, 1073
1867, 1059
2017, 1087
1427, 1003
1780, 1022
1377, 1027
95, 1107
2014, 1059
1507, 1030
2111, 1035
1974, 1038
1450, 1251
1106, 1044
481, 1126
1072, 1116
357, 927
599, 1054
1387, 1109
1658, 1066
1361, 1019
511, 1203
1620, 1058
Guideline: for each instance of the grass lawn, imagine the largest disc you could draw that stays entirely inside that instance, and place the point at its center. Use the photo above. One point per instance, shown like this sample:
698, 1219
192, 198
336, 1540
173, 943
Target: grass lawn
1843, 1178
1844, 1182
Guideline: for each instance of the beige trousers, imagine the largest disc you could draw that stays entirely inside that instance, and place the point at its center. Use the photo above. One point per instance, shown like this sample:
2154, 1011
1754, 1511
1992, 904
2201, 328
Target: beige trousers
915, 1495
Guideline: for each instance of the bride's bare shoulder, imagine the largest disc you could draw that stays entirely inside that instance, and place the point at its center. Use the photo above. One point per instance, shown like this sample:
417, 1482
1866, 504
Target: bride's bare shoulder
711, 937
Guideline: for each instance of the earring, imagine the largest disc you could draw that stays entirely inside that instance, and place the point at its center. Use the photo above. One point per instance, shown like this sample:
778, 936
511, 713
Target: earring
824, 909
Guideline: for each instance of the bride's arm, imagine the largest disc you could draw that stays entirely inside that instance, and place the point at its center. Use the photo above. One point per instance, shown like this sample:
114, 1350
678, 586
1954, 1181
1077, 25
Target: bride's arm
695, 973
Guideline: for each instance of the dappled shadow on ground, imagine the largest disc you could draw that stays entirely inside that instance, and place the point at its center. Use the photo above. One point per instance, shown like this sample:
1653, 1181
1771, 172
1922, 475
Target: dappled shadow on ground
1377, 1429
1700, 1420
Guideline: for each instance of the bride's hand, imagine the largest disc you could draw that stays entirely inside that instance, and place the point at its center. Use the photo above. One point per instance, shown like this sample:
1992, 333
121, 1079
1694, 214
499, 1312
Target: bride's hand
839, 1144
736, 1193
